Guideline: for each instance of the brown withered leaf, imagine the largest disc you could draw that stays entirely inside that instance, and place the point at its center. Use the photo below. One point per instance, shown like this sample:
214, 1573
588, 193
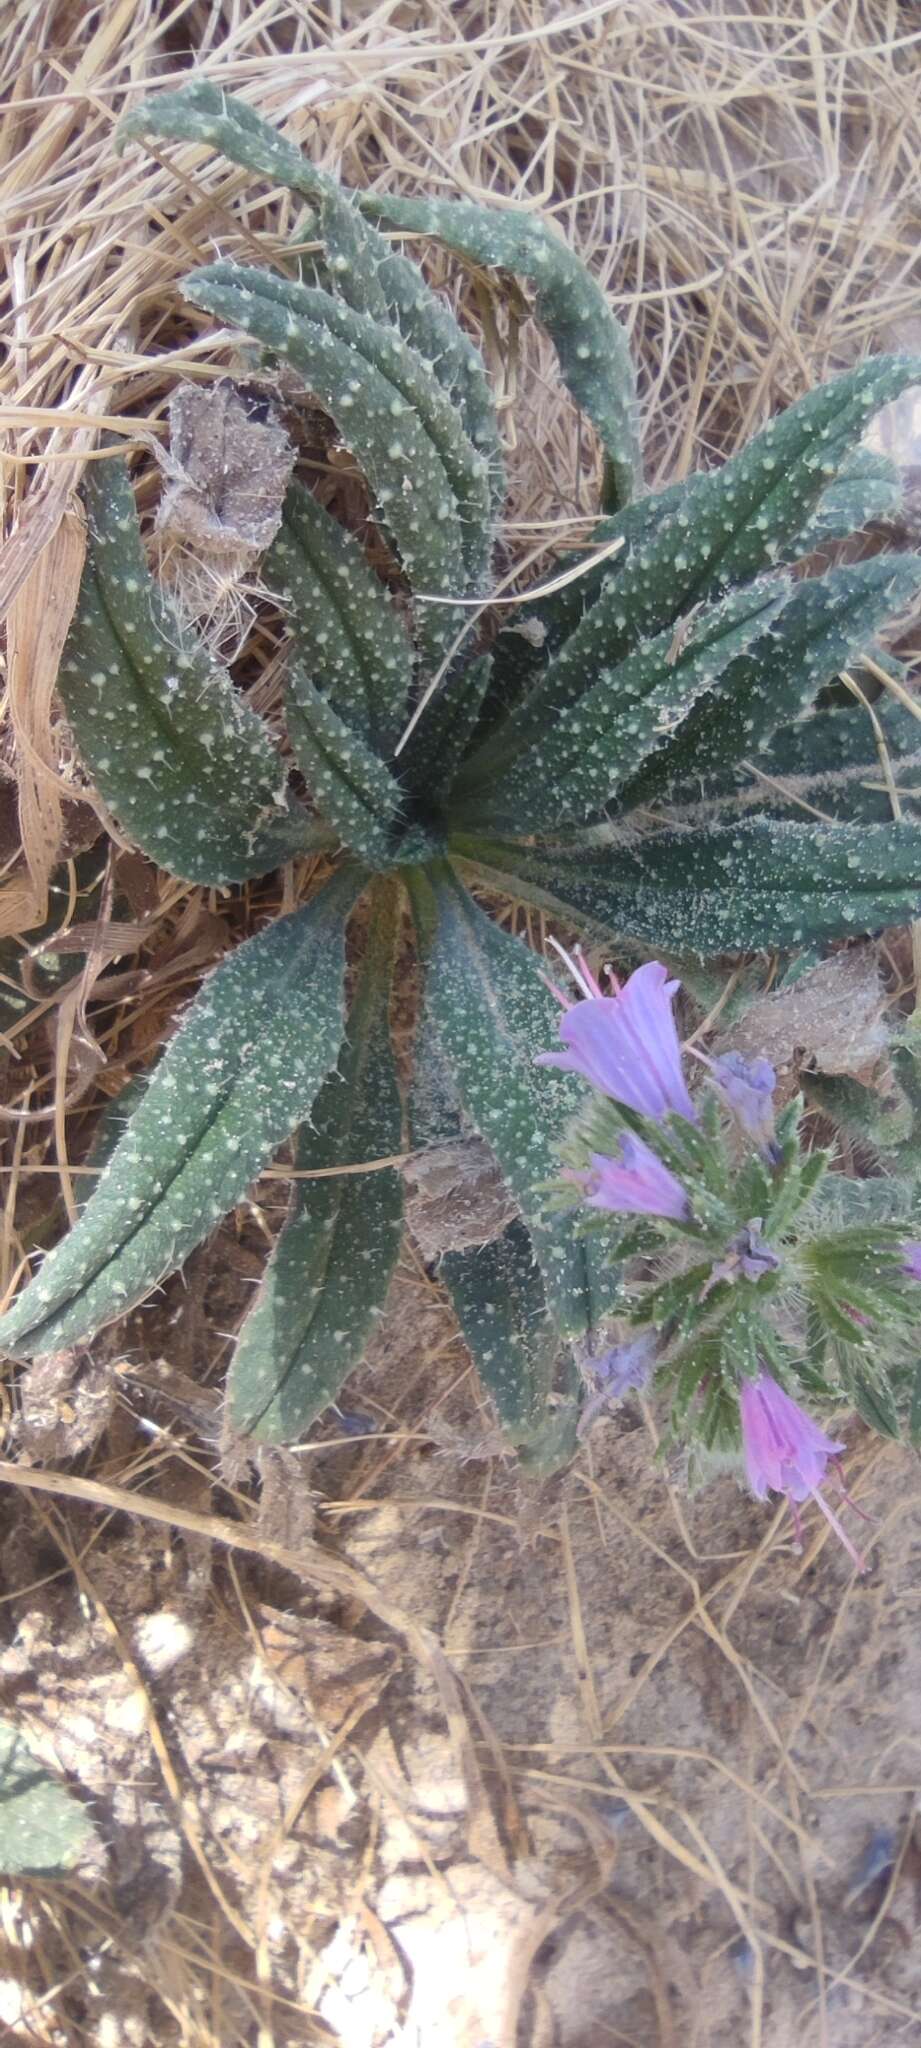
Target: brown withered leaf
338, 1673
228, 468
833, 1016
65, 1401
456, 1197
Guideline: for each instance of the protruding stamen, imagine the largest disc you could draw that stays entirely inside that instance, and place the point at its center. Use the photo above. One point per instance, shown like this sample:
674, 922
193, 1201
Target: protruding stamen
564, 1000
848, 1498
839, 1529
583, 978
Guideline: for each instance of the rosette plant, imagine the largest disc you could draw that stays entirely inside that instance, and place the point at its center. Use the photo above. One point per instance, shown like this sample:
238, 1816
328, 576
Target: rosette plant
621, 756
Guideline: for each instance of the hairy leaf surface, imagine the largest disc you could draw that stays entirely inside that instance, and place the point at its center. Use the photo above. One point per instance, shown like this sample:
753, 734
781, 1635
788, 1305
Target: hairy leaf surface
244, 1068
492, 1011
722, 529
349, 784
329, 1273
344, 366
366, 272
621, 720
592, 347
345, 624
825, 624
187, 768
501, 1305
728, 888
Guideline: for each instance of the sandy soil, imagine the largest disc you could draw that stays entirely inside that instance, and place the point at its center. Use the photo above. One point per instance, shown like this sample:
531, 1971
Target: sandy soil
680, 1790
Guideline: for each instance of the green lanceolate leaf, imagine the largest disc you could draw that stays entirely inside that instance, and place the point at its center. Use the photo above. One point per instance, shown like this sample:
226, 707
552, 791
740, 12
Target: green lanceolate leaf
868, 488
346, 628
620, 721
501, 1305
328, 1276
874, 1402
42, 1828
862, 1113
542, 627
188, 769
362, 266
523, 652
825, 623
111, 1125
349, 784
757, 510
849, 761
721, 530
436, 748
370, 276
382, 399
836, 752
429, 326
491, 1012
243, 1069
729, 888
353, 253
593, 350
547, 879
202, 112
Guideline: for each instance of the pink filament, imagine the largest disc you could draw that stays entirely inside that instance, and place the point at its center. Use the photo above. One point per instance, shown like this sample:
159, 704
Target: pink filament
586, 982
839, 1529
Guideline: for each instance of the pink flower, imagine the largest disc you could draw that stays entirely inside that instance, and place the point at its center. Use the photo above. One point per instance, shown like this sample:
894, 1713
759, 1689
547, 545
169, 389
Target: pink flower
786, 1452
635, 1182
911, 1255
625, 1044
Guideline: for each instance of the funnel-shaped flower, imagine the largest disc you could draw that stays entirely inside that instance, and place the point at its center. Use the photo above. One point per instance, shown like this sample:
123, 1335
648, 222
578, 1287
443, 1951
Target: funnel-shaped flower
786, 1452
634, 1181
626, 1044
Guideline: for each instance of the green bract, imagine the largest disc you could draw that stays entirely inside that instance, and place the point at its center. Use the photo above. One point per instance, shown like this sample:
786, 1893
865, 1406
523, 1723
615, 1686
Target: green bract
630, 754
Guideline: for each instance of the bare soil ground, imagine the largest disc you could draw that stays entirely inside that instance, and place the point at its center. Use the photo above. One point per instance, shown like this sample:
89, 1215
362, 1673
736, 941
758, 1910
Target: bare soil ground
383, 1745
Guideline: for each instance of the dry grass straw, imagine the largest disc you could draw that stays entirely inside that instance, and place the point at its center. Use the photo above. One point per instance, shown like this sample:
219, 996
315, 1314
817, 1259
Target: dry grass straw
746, 181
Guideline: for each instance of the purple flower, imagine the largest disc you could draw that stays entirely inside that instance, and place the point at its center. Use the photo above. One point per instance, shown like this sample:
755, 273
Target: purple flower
748, 1088
911, 1255
625, 1365
786, 1452
635, 1182
617, 1371
754, 1254
626, 1044
747, 1253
